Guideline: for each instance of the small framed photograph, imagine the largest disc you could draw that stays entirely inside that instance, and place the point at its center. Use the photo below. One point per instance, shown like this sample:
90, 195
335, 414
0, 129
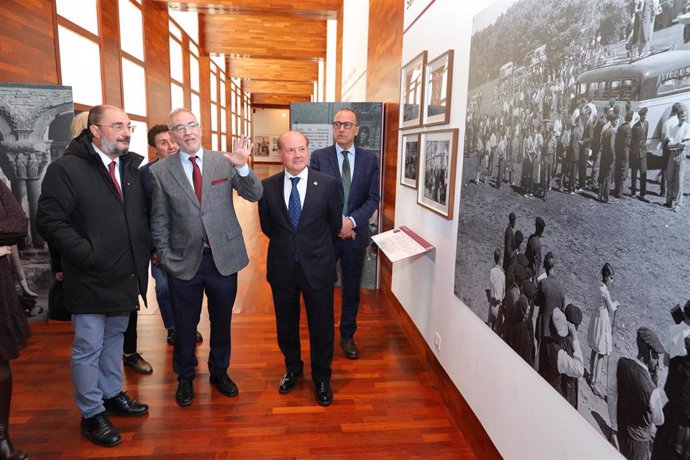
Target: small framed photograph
436, 179
437, 89
412, 92
266, 149
409, 160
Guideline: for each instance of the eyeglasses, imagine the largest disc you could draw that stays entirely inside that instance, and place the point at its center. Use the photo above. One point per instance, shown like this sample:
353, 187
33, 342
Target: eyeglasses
120, 127
344, 124
293, 150
190, 126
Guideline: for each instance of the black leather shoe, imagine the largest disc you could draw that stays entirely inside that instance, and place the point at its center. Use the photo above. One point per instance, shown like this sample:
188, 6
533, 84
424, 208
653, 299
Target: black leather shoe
6, 450
122, 404
100, 431
171, 337
288, 382
224, 384
137, 363
349, 348
185, 392
199, 337
324, 394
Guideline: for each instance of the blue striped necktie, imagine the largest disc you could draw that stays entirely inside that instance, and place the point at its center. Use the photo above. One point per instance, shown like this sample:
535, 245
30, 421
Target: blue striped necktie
294, 206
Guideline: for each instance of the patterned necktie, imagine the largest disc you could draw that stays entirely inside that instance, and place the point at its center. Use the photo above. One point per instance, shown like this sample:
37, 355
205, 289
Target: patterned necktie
111, 169
294, 206
347, 179
196, 177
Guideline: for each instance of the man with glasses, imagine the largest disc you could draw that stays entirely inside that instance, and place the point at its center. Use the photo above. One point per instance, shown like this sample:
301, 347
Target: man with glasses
163, 144
301, 260
92, 211
199, 242
357, 172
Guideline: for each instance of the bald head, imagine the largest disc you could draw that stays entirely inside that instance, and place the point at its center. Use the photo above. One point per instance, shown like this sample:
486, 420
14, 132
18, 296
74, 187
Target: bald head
293, 151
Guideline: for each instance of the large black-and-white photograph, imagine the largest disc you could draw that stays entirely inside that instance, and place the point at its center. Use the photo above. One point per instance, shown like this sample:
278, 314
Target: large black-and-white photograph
34, 130
572, 230
437, 161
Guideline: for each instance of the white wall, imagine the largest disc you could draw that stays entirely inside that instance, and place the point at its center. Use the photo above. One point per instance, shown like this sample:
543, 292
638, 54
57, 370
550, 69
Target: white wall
523, 416
270, 121
355, 42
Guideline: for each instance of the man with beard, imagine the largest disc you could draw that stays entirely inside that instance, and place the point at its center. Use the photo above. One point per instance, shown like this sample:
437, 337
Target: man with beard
199, 242
163, 144
92, 211
634, 399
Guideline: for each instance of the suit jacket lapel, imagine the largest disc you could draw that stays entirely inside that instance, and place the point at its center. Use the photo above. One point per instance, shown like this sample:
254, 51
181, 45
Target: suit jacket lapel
357, 172
177, 172
210, 162
310, 197
278, 187
333, 158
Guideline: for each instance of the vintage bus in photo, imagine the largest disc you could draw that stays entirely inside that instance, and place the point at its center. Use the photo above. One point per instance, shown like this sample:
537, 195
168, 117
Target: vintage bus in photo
656, 82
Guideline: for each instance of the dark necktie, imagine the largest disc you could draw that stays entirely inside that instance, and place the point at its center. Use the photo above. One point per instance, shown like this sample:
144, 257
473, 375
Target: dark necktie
346, 181
111, 169
196, 177
294, 206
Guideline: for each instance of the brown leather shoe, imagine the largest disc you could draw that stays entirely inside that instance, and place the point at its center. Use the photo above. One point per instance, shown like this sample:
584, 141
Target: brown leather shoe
349, 348
137, 363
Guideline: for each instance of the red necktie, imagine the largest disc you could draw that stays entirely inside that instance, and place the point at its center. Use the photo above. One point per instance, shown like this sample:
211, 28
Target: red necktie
196, 177
111, 168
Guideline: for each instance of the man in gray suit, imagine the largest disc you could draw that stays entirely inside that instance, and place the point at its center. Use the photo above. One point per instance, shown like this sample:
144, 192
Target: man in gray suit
199, 243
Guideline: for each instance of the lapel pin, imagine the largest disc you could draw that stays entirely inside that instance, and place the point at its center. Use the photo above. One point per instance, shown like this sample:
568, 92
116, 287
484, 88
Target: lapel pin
316, 183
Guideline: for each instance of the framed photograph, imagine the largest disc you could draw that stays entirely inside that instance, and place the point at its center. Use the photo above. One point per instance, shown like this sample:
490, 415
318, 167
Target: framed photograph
409, 160
437, 159
266, 149
438, 83
412, 92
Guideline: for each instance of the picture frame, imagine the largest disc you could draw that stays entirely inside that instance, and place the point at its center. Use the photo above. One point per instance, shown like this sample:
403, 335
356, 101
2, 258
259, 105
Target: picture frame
437, 168
265, 148
438, 85
409, 160
412, 92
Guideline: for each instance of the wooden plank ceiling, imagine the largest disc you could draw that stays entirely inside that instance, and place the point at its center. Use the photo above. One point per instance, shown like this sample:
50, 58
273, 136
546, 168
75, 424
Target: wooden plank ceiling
274, 46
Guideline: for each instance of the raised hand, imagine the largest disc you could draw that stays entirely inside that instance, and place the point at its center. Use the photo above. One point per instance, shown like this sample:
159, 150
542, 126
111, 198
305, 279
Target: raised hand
241, 148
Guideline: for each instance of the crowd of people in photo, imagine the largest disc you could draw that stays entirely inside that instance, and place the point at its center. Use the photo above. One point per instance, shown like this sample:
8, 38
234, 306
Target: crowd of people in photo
529, 311
581, 149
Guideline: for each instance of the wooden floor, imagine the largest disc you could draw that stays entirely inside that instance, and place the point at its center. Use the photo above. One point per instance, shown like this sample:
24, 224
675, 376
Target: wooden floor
385, 404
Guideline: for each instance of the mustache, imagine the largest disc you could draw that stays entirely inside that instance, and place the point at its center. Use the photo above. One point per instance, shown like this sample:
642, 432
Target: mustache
124, 139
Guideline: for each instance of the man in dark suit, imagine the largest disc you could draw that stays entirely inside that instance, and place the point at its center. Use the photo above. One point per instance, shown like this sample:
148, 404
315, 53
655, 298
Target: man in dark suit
622, 149
638, 154
550, 296
300, 212
357, 173
199, 242
508, 247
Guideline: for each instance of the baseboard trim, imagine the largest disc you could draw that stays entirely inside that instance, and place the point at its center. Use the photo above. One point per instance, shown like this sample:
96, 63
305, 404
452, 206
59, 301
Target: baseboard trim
462, 414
